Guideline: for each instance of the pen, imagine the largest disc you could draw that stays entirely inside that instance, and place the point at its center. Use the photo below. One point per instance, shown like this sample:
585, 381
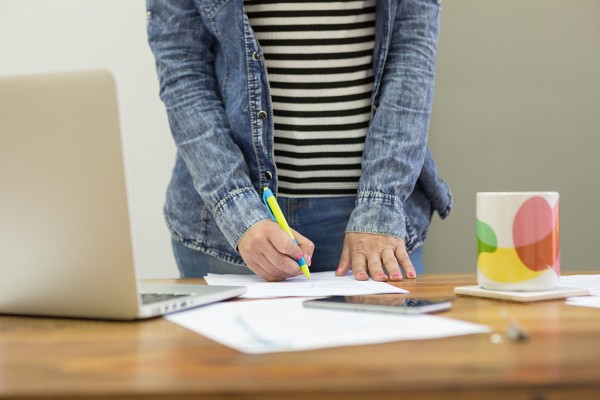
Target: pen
277, 215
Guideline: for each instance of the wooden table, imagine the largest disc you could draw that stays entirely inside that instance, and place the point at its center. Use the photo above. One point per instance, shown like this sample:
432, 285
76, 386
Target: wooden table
155, 359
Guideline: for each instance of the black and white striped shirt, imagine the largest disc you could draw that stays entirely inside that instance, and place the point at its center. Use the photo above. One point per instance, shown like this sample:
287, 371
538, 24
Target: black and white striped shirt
318, 55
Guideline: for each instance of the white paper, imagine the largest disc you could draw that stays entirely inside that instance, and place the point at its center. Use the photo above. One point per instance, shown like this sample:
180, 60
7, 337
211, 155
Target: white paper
590, 282
319, 284
277, 325
587, 301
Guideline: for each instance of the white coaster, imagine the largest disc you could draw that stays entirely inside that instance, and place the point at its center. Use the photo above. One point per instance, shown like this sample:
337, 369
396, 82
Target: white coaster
558, 293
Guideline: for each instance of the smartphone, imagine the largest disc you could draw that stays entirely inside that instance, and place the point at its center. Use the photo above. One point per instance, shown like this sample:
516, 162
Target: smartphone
374, 304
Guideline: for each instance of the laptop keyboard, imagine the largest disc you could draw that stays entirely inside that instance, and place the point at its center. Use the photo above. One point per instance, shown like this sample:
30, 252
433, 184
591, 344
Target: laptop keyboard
148, 298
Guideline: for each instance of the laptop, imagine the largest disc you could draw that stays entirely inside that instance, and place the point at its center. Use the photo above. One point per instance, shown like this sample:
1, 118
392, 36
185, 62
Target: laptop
65, 242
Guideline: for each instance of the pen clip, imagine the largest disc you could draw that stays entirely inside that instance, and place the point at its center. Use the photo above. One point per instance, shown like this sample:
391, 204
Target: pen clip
266, 193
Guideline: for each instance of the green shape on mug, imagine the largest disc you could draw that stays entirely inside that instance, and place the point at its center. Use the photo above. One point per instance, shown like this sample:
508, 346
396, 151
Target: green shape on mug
486, 238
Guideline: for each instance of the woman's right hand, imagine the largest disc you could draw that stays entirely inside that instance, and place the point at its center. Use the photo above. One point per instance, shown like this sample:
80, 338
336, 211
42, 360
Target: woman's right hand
270, 252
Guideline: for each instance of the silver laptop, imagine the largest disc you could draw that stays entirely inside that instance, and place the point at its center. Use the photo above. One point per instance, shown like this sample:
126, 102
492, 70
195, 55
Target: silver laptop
65, 245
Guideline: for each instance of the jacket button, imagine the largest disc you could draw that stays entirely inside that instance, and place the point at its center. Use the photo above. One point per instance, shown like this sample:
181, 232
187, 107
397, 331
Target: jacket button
262, 115
268, 175
256, 56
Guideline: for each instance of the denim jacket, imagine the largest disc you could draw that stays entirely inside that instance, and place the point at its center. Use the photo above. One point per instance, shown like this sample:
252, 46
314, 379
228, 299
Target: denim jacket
214, 84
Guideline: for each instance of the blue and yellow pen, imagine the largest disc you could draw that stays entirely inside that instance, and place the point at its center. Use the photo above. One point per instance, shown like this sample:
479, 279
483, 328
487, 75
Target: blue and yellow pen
277, 215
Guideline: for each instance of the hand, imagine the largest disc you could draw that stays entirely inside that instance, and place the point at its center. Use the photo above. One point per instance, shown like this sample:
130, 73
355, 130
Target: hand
270, 252
369, 254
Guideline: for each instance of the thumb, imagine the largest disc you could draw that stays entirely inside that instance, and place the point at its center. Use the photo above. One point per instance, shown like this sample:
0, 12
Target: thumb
345, 262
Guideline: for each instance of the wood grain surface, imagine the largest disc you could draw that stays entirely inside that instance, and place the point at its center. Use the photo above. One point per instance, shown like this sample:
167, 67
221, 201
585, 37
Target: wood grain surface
53, 358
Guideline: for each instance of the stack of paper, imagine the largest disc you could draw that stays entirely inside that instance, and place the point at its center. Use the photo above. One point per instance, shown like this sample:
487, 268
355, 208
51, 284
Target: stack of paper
274, 325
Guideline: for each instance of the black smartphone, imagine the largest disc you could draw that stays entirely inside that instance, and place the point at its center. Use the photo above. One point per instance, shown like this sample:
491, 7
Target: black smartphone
375, 304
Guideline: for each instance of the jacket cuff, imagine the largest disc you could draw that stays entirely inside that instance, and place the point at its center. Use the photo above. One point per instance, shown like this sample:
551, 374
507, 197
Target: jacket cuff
237, 212
378, 213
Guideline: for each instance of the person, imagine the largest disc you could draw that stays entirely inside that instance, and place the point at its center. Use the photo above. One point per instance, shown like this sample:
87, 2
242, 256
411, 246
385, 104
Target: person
326, 103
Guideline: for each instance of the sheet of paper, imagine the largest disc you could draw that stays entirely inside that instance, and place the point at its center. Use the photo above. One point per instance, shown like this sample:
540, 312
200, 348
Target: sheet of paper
319, 284
590, 282
277, 325
587, 301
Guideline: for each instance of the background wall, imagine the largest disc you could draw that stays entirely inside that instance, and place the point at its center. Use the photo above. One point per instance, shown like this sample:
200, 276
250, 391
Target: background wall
58, 35
517, 108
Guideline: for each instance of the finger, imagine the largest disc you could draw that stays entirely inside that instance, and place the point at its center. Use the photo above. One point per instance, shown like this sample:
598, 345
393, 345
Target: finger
283, 254
278, 265
345, 262
283, 243
405, 263
260, 266
376, 267
306, 246
262, 257
391, 264
258, 270
359, 266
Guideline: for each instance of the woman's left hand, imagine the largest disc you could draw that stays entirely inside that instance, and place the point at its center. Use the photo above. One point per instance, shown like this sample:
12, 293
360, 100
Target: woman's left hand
373, 255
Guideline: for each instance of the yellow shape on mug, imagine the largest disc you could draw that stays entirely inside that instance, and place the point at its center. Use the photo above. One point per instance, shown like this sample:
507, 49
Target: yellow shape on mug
505, 266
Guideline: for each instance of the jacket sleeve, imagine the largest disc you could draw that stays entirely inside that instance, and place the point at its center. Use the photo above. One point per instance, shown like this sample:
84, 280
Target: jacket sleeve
396, 142
184, 51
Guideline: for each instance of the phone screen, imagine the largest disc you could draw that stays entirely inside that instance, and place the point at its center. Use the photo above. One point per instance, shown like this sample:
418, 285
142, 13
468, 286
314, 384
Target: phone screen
378, 304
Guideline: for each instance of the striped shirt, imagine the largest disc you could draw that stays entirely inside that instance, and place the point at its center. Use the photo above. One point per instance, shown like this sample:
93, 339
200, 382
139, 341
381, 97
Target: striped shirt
318, 55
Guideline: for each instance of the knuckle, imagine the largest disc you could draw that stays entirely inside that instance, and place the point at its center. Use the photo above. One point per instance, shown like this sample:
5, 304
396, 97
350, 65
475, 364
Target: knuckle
403, 258
254, 242
308, 246
291, 248
389, 260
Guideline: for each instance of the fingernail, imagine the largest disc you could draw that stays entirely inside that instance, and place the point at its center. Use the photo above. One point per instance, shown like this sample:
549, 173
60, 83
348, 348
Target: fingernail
362, 274
395, 274
411, 274
298, 256
339, 268
382, 275
308, 259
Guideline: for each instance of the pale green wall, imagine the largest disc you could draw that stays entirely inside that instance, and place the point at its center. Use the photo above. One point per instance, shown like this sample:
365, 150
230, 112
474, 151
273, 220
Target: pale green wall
517, 107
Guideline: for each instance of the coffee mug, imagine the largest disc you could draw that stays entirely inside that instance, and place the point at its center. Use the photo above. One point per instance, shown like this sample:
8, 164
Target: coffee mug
518, 240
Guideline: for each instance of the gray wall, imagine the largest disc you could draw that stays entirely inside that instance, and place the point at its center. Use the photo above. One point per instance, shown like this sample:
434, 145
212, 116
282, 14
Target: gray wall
517, 107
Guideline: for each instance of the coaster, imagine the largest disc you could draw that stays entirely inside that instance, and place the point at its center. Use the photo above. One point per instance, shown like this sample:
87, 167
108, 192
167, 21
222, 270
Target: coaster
558, 293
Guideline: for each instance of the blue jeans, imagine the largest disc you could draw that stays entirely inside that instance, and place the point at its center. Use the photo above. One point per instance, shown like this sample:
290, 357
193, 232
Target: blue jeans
322, 220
